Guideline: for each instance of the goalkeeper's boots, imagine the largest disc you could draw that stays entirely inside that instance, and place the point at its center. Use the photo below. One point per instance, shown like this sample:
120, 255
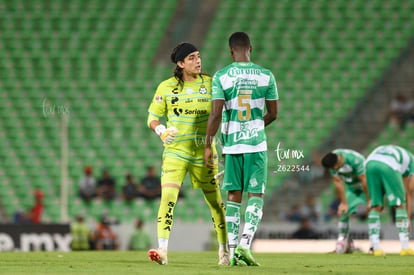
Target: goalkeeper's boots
407, 252
158, 255
245, 255
224, 258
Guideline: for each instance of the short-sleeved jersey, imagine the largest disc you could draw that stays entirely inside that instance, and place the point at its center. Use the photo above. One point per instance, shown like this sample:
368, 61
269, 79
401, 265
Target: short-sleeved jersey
187, 108
353, 167
395, 157
245, 87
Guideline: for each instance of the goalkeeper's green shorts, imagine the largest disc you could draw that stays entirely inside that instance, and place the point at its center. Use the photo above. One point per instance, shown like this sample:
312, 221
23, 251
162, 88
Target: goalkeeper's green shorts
246, 172
175, 169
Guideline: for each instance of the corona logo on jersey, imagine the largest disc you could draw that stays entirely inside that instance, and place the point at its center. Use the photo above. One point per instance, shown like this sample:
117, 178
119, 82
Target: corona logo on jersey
237, 71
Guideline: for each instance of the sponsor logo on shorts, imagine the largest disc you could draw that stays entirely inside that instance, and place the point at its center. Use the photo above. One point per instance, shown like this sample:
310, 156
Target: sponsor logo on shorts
226, 184
253, 182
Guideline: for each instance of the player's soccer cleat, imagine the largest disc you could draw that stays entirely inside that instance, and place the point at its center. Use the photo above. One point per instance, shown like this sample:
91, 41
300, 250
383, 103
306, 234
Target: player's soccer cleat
224, 258
158, 255
234, 261
407, 252
245, 255
350, 246
378, 252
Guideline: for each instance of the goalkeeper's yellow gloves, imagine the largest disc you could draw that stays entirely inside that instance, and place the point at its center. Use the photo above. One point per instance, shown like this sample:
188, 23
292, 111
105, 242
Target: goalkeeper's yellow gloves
167, 135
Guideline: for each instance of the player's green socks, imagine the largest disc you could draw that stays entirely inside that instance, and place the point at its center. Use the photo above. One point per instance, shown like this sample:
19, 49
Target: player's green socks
165, 212
343, 227
233, 224
401, 221
253, 216
374, 228
215, 203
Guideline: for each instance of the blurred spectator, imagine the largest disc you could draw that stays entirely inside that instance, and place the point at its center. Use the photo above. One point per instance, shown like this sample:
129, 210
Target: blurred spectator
129, 190
150, 186
311, 209
140, 239
305, 230
294, 214
103, 236
402, 110
106, 186
87, 185
36, 212
81, 234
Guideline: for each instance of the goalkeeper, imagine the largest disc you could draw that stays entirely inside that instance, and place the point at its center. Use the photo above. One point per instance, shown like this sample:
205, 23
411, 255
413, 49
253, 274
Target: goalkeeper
184, 102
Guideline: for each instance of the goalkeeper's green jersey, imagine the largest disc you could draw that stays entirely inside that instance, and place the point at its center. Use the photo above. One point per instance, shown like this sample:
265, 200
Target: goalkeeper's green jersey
187, 108
245, 87
353, 167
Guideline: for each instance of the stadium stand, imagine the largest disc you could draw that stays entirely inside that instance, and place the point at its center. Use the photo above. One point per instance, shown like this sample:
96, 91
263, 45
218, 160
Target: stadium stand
91, 61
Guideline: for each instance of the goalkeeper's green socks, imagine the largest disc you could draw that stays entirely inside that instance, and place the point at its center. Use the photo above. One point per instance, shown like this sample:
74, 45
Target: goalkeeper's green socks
233, 224
253, 216
401, 222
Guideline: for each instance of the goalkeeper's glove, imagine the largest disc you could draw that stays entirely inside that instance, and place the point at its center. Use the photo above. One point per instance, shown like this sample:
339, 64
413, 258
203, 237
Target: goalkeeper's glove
167, 135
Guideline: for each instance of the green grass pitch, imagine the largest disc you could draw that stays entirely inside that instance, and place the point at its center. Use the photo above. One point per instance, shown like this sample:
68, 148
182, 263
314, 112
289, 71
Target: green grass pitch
181, 263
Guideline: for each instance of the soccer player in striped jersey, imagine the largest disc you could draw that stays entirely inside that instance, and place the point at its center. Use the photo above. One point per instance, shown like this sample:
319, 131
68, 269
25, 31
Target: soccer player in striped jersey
241, 93
390, 172
347, 168
184, 102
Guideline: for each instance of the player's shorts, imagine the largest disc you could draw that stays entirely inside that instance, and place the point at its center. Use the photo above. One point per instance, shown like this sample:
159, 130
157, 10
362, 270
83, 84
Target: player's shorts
175, 169
355, 198
246, 172
383, 180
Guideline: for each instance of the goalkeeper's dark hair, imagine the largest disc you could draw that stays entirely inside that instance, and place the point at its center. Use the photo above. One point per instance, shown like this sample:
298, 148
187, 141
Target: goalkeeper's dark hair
329, 160
178, 71
239, 40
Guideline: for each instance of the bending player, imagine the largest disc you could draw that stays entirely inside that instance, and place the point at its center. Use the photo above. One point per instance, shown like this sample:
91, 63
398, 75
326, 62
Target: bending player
390, 173
348, 171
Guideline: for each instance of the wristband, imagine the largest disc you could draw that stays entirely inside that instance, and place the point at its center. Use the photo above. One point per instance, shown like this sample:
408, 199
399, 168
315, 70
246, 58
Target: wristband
159, 129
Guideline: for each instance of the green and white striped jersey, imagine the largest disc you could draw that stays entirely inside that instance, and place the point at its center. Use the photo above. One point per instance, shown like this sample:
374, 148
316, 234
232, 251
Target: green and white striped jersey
394, 156
352, 168
245, 87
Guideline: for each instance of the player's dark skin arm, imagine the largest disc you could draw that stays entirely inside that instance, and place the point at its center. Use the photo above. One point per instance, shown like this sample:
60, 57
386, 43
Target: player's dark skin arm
271, 114
213, 124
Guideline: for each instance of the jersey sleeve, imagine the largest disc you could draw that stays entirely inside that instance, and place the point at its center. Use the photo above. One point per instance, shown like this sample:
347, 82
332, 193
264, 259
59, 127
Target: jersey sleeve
410, 168
272, 93
217, 89
359, 166
158, 106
